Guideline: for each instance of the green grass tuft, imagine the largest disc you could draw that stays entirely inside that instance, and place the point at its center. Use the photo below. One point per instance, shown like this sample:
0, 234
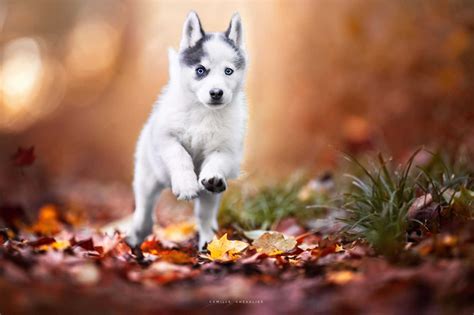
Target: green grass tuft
264, 207
379, 200
379, 203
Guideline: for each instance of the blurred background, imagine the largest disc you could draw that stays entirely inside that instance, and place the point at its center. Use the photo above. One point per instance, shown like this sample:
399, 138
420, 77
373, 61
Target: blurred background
78, 79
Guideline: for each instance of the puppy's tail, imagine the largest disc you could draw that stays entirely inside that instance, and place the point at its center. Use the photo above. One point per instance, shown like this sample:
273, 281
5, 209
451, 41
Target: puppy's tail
173, 58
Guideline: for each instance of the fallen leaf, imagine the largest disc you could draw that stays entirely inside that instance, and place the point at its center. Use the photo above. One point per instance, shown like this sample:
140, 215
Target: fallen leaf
48, 221
274, 243
152, 247
225, 250
358, 251
255, 258
41, 241
419, 204
86, 244
24, 157
174, 256
57, 245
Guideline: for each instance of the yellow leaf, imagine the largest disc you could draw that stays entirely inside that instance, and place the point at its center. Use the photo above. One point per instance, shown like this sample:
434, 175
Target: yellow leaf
58, 245
339, 248
274, 243
224, 249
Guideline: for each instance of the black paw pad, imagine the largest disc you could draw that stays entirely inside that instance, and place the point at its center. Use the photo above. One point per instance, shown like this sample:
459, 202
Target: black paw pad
214, 184
136, 250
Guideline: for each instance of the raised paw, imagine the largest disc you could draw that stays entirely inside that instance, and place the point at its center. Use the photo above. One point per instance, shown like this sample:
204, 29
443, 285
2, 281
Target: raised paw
215, 184
186, 195
185, 189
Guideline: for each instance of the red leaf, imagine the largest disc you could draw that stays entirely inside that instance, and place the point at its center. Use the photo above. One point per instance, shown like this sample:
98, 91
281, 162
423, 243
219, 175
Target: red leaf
3, 236
86, 244
24, 157
42, 241
99, 249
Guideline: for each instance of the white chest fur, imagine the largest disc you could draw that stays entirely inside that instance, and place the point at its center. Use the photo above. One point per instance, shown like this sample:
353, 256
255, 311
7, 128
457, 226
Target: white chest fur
206, 130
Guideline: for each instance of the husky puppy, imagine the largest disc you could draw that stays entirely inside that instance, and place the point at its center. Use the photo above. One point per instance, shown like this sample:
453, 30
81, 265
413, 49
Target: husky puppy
193, 139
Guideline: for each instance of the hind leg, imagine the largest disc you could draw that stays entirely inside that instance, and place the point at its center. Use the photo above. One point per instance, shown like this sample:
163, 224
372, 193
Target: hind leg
147, 190
205, 209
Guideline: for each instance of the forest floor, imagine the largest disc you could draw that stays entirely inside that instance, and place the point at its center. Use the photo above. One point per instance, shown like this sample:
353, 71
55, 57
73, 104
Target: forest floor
64, 259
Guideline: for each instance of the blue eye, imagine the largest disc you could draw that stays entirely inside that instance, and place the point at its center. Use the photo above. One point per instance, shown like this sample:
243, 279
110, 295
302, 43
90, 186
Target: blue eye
228, 71
201, 71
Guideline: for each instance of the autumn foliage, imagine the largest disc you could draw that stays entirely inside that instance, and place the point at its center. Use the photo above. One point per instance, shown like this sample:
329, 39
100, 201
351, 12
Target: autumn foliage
63, 263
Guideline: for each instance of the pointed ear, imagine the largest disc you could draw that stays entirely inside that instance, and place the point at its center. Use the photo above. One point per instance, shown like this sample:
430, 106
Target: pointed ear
192, 31
234, 31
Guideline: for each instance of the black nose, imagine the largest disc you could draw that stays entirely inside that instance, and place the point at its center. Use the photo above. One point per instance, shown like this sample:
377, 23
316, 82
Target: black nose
216, 94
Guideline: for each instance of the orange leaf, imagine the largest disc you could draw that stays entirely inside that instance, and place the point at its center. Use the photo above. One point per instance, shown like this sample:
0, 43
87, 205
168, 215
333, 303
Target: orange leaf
338, 248
151, 247
176, 257
169, 255
48, 222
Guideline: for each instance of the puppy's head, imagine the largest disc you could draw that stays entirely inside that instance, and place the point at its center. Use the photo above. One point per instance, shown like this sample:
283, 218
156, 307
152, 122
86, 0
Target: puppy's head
212, 65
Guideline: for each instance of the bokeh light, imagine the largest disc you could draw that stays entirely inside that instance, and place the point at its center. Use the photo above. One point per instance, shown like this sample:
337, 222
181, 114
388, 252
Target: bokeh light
31, 83
92, 48
21, 73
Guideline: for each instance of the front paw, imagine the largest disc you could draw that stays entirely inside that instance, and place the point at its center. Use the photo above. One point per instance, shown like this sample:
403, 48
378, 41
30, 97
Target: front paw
185, 189
134, 240
205, 237
215, 184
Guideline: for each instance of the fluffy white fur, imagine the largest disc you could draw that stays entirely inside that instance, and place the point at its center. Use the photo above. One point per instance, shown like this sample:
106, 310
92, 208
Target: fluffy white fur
188, 142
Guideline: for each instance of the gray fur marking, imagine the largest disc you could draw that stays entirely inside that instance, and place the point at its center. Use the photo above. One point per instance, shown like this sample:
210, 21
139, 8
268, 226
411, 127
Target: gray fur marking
192, 56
